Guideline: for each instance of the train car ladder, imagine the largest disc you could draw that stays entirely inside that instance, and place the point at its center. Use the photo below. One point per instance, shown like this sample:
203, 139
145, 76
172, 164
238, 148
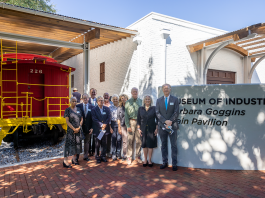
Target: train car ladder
5, 50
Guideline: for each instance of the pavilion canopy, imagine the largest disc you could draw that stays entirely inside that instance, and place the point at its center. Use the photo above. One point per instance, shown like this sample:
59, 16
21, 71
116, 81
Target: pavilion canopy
248, 41
50, 34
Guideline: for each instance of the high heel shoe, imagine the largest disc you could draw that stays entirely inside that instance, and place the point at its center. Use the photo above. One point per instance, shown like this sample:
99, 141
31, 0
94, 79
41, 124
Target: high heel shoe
145, 165
150, 165
65, 166
75, 163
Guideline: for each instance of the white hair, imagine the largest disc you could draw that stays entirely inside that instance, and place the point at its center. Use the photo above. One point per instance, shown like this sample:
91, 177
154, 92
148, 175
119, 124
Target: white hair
169, 86
134, 88
73, 98
99, 97
114, 96
150, 99
85, 94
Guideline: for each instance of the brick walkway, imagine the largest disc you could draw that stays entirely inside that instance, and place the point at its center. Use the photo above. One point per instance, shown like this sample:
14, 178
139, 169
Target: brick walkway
116, 179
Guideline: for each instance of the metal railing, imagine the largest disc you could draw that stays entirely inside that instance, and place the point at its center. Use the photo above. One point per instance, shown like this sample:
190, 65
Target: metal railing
28, 110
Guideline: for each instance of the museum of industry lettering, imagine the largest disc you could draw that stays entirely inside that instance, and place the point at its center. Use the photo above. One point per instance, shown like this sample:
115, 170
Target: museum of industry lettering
214, 112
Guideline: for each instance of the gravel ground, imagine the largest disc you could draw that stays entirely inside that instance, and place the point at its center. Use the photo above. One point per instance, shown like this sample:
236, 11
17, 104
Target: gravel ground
28, 150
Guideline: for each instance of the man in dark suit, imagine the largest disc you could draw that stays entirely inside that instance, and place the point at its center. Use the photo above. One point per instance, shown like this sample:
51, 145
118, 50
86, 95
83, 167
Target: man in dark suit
167, 111
101, 118
87, 124
93, 101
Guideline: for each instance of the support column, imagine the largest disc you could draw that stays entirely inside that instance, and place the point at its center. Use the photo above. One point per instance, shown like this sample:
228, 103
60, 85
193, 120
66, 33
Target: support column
247, 68
86, 58
201, 62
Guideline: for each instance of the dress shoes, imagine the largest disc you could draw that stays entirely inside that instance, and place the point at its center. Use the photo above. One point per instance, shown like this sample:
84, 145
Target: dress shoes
129, 161
98, 161
86, 159
114, 157
109, 155
75, 163
103, 159
150, 165
124, 158
65, 166
163, 166
174, 168
145, 165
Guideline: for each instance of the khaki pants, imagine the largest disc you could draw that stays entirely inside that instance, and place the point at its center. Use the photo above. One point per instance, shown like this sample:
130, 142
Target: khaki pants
124, 140
131, 136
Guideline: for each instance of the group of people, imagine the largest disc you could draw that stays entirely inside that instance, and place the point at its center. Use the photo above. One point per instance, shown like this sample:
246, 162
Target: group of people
114, 125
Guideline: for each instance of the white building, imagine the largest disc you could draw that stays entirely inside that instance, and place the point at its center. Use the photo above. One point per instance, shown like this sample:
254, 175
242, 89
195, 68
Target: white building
165, 50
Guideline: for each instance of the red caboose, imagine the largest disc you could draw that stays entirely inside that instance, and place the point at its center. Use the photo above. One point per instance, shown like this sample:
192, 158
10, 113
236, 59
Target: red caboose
34, 93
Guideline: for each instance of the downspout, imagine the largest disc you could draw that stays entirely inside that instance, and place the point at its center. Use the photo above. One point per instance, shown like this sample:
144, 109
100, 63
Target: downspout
165, 34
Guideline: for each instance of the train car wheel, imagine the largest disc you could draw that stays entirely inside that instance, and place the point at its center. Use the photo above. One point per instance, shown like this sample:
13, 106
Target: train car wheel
15, 139
55, 135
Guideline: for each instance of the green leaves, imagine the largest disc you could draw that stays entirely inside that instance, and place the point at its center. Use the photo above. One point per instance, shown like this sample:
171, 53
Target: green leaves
42, 5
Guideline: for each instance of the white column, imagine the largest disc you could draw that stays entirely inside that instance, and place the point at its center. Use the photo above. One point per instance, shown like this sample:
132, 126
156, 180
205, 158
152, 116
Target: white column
164, 34
247, 68
86, 58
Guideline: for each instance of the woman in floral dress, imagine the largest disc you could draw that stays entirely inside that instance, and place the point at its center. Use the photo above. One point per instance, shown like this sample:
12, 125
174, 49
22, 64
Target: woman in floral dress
73, 142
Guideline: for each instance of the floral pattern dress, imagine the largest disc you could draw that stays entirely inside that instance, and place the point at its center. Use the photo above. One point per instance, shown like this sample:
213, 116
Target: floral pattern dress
73, 142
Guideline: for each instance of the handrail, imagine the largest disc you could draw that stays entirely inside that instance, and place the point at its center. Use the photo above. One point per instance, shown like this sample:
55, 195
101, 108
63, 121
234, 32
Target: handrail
29, 111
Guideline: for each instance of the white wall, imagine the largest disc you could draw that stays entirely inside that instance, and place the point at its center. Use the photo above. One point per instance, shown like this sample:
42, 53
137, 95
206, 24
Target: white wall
77, 63
120, 62
121, 58
228, 60
180, 68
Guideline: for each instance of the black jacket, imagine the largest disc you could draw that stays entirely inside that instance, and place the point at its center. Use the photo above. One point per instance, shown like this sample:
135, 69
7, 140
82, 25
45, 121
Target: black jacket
147, 119
171, 113
87, 120
100, 119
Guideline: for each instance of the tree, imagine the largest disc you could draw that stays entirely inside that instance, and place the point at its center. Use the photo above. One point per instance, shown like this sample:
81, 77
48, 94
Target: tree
42, 5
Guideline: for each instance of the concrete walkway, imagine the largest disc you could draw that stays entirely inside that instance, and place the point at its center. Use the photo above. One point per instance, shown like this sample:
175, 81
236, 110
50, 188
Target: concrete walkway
116, 179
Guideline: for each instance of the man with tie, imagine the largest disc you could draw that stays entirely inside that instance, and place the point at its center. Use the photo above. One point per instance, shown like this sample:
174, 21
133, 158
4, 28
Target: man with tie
101, 117
87, 124
167, 111
93, 101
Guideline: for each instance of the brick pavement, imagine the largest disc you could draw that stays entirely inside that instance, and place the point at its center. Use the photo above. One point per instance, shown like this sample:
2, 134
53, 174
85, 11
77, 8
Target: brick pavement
116, 179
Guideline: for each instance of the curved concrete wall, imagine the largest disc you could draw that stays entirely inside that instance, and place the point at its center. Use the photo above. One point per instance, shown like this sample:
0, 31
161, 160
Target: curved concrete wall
239, 144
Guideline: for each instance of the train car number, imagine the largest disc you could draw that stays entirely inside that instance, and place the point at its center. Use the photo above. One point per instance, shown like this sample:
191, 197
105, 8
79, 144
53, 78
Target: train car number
36, 71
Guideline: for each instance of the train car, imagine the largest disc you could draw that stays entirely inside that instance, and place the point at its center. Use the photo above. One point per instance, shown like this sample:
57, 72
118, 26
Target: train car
34, 93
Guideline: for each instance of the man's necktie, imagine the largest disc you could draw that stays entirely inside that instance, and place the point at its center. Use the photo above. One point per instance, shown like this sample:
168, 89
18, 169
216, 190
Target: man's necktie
166, 103
85, 109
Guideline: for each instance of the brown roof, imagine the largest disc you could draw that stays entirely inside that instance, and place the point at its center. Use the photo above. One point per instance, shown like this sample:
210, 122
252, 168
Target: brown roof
28, 22
248, 41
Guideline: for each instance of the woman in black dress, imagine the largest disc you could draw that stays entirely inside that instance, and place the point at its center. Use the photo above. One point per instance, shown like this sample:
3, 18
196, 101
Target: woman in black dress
147, 127
73, 142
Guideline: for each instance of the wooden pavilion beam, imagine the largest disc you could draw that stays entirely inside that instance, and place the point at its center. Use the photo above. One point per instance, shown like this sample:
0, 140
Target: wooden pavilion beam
238, 49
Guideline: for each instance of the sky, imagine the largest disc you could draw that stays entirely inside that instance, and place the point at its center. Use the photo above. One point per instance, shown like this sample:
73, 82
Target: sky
227, 15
